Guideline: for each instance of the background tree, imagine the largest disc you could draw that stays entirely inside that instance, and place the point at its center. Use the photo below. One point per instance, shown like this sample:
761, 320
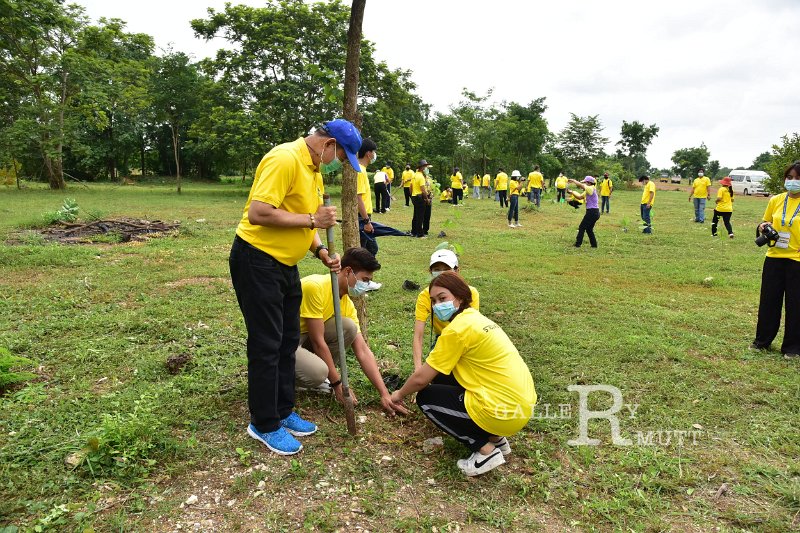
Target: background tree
783, 155
635, 137
761, 161
580, 143
712, 169
687, 161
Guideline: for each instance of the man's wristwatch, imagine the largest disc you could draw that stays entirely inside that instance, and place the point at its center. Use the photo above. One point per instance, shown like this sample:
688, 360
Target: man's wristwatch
318, 248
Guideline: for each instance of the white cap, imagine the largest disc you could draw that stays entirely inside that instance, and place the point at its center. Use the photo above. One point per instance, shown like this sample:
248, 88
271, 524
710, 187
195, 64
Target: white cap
448, 257
515, 174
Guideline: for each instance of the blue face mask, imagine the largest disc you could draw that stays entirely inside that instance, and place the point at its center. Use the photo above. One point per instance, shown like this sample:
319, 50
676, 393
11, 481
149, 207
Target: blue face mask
444, 311
359, 289
792, 185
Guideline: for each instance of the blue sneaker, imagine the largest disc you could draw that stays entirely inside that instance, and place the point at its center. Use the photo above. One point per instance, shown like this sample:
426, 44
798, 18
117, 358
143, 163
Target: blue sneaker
279, 441
297, 426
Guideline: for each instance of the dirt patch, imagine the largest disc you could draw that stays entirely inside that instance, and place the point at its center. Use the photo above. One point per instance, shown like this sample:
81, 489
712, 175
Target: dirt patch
109, 231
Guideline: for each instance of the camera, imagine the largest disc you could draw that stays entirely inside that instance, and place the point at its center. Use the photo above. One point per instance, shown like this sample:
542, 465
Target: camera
768, 236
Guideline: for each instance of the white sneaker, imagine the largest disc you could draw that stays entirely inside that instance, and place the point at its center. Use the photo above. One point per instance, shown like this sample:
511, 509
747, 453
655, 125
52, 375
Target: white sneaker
325, 388
519, 225
373, 286
387, 209
511, 225
477, 463
503, 446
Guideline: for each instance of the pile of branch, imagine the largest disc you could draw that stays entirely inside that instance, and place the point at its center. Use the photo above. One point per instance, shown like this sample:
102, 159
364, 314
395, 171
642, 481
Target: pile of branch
127, 229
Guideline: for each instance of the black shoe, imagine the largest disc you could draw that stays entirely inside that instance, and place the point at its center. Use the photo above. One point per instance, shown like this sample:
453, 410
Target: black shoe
442, 234
410, 285
759, 347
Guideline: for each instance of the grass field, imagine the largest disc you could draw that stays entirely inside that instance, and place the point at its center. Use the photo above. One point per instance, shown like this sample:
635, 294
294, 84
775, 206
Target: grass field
106, 438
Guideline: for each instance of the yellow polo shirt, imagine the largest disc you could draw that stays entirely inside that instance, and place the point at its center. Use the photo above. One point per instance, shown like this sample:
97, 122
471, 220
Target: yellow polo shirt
390, 173
457, 181
606, 187
286, 179
486, 180
501, 182
363, 189
417, 183
476, 181
535, 180
500, 393
408, 175
423, 309
650, 187
774, 215
725, 204
561, 182
701, 186
513, 187
318, 301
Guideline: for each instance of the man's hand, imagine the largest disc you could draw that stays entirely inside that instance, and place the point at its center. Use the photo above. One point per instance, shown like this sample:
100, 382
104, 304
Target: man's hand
368, 227
338, 390
391, 407
325, 217
332, 263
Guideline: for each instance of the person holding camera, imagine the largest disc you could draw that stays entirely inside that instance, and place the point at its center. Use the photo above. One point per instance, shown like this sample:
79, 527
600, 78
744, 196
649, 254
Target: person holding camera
723, 207
780, 276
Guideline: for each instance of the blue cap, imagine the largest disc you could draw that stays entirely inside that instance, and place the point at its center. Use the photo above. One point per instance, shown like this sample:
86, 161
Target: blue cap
348, 137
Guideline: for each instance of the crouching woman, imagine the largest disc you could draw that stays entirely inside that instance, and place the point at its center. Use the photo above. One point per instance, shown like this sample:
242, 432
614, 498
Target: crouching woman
474, 385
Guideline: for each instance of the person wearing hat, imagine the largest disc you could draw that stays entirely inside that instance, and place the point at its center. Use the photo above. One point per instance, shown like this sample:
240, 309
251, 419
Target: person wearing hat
592, 215
407, 176
606, 188
648, 198
700, 193
278, 227
457, 185
723, 207
474, 385
419, 197
501, 186
535, 183
513, 208
441, 261
561, 188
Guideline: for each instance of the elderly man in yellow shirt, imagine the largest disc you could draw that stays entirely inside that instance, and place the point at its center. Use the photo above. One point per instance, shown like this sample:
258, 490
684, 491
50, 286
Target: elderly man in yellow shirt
277, 229
700, 193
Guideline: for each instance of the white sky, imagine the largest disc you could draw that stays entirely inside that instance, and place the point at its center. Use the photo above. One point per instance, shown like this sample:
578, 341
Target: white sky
723, 72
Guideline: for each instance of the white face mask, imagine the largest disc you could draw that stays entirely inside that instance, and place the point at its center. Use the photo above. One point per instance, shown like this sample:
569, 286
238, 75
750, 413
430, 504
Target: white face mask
374, 157
699, 173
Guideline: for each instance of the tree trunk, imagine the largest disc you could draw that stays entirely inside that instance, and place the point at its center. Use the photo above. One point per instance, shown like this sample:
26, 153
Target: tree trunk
57, 166
174, 129
350, 235
141, 154
112, 161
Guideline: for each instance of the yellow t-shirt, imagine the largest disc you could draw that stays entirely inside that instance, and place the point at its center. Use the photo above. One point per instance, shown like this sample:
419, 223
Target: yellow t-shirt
774, 215
363, 189
701, 186
725, 204
650, 187
408, 175
606, 187
486, 180
476, 181
500, 394
561, 182
287, 179
513, 188
318, 301
417, 183
390, 173
423, 310
535, 180
457, 181
501, 182
445, 196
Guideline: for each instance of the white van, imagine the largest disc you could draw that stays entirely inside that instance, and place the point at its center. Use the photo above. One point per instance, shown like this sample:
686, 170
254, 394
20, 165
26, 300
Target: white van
748, 182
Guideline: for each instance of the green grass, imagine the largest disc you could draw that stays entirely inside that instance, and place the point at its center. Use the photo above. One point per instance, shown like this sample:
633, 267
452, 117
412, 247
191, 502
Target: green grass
637, 313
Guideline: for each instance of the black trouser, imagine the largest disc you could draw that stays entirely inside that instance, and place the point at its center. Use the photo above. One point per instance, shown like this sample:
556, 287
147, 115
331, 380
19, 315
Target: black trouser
561, 194
443, 403
381, 198
513, 209
503, 198
458, 196
269, 295
726, 219
426, 217
780, 286
587, 225
419, 211
407, 194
